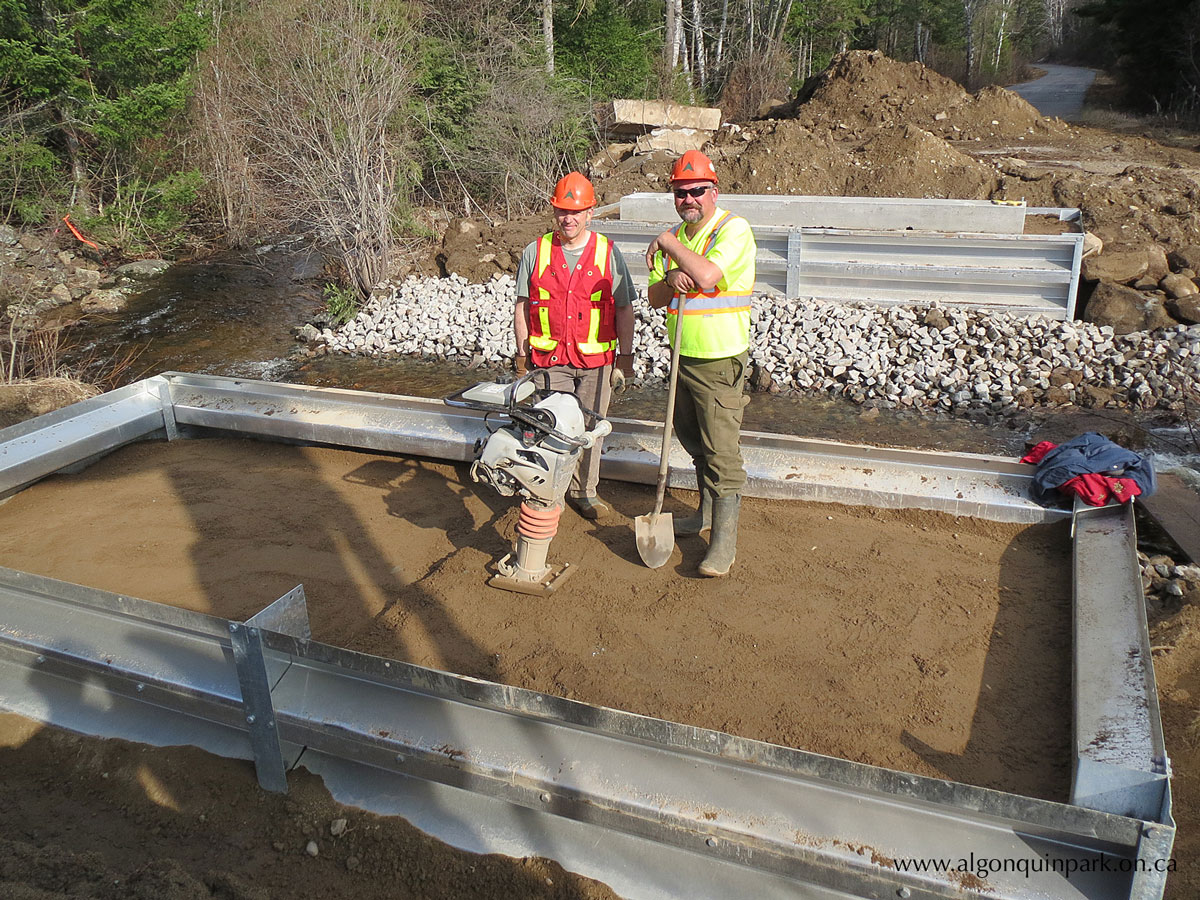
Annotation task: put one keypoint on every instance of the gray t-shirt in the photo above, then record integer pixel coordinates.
(623, 289)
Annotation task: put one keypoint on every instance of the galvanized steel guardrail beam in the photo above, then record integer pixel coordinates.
(1023, 274)
(655, 809)
(877, 213)
(1120, 757)
(778, 466)
(38, 447)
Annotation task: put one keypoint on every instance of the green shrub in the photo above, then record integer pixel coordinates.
(609, 48)
(30, 181)
(341, 303)
(144, 214)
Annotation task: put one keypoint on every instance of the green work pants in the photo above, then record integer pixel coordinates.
(708, 419)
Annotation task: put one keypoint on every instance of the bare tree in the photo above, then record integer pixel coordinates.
(1001, 12)
(313, 97)
(720, 55)
(548, 33)
(1056, 13)
(970, 9)
(698, 50)
(671, 38)
(221, 143)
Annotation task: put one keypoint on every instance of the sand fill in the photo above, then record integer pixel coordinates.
(915, 641)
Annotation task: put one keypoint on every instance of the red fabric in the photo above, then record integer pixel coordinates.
(1096, 490)
(1091, 487)
(1124, 489)
(570, 306)
(1034, 456)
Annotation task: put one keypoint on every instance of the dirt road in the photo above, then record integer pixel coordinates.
(1059, 92)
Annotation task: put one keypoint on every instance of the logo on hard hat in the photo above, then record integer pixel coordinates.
(693, 165)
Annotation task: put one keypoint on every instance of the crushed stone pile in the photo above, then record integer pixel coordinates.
(924, 357)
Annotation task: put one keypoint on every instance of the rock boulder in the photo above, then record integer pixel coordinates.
(1185, 258)
(1125, 309)
(1115, 266)
(1186, 309)
(142, 268)
(1178, 286)
(104, 301)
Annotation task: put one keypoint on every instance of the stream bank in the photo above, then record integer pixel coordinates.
(238, 315)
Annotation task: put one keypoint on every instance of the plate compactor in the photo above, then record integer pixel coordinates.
(535, 439)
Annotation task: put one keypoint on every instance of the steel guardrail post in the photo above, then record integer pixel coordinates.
(257, 705)
(795, 244)
(168, 409)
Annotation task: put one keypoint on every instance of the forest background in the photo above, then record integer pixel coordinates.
(170, 125)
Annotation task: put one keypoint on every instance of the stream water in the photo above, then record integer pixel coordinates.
(234, 315)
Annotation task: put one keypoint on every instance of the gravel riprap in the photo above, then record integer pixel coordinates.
(926, 357)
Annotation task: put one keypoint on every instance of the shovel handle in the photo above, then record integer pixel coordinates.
(672, 383)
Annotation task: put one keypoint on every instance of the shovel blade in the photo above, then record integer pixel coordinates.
(655, 535)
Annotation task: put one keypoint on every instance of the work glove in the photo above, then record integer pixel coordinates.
(622, 372)
(521, 365)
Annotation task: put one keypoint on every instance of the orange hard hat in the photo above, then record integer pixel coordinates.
(694, 166)
(573, 192)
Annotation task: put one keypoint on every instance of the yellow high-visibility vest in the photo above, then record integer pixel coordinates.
(716, 324)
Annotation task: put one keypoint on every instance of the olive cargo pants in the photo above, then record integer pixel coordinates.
(708, 419)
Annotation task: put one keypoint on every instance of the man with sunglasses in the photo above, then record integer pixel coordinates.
(574, 306)
(708, 260)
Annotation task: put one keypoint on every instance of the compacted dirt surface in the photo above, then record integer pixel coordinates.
(910, 640)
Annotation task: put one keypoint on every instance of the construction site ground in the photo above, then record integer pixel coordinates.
(967, 622)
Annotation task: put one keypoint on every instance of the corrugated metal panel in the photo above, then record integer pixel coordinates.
(1019, 273)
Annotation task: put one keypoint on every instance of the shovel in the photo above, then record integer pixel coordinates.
(655, 533)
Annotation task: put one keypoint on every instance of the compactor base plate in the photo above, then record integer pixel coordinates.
(548, 585)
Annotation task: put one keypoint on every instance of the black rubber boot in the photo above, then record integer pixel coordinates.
(701, 520)
(722, 549)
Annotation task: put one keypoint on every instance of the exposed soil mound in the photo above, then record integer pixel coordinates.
(996, 111)
(787, 157)
(862, 90)
(782, 157)
(479, 250)
(914, 163)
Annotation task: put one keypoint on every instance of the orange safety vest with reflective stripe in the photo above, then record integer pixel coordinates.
(716, 323)
(571, 314)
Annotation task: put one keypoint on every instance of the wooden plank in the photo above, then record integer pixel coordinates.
(1176, 508)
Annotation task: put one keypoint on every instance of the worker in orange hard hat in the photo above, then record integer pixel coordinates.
(707, 262)
(574, 312)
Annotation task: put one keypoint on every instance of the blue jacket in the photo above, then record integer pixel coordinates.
(1090, 452)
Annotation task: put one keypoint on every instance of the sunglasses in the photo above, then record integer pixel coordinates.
(680, 193)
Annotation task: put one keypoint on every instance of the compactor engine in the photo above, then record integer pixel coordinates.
(536, 437)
